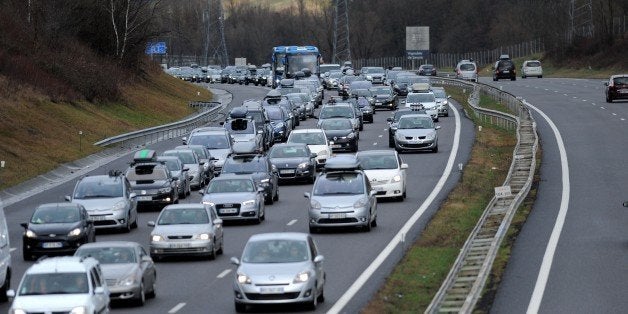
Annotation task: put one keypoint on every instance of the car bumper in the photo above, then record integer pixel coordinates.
(384, 104)
(394, 189)
(123, 292)
(281, 293)
(178, 248)
(342, 145)
(154, 200)
(443, 111)
(294, 173)
(418, 146)
(246, 213)
(345, 217)
(108, 220)
(60, 246)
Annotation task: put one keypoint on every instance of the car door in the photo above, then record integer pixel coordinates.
(147, 266)
(318, 267)
(100, 300)
(217, 228)
(89, 224)
(372, 198)
(132, 201)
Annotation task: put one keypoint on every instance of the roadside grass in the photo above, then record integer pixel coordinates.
(416, 279)
(39, 134)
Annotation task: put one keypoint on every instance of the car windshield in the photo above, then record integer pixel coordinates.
(420, 97)
(467, 67)
(172, 164)
(339, 183)
(505, 65)
(288, 152)
(210, 141)
(146, 173)
(109, 254)
(56, 214)
(379, 161)
(275, 251)
(244, 166)
(186, 157)
(336, 112)
(336, 124)
(317, 138)
(230, 186)
(361, 92)
(99, 189)
(183, 216)
(54, 283)
(416, 123)
(335, 75)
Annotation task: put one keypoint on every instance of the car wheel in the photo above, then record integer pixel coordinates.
(27, 256)
(514, 78)
(127, 226)
(399, 150)
(240, 307)
(276, 197)
(263, 214)
(374, 222)
(155, 258)
(312, 304)
(321, 297)
(435, 150)
(153, 289)
(367, 227)
(355, 147)
(269, 199)
(391, 142)
(5, 287)
(540, 76)
(361, 127)
(523, 76)
(212, 254)
(608, 99)
(133, 225)
(141, 298)
(312, 177)
(494, 79)
(188, 189)
(313, 230)
(221, 249)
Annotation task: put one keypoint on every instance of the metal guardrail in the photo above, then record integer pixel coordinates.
(463, 286)
(166, 131)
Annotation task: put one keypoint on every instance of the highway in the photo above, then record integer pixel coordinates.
(572, 253)
(202, 286)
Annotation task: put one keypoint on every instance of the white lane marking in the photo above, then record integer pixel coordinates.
(594, 104)
(381, 135)
(176, 308)
(292, 222)
(379, 260)
(386, 129)
(565, 94)
(584, 100)
(555, 91)
(550, 250)
(546, 89)
(224, 273)
(575, 97)
(602, 108)
(374, 143)
(614, 113)
(12, 249)
(622, 119)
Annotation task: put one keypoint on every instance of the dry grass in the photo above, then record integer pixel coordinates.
(413, 283)
(39, 134)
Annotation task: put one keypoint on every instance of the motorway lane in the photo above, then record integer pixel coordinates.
(196, 286)
(588, 273)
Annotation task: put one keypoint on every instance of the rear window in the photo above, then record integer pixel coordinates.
(534, 64)
(467, 67)
(620, 80)
(505, 64)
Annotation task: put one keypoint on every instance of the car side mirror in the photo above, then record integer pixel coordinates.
(437, 127)
(319, 258)
(306, 194)
(68, 198)
(10, 293)
(146, 258)
(132, 195)
(389, 119)
(404, 166)
(217, 221)
(235, 261)
(99, 290)
(260, 190)
(24, 224)
(625, 204)
(150, 223)
(184, 140)
(372, 193)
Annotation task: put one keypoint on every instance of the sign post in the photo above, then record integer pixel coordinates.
(417, 43)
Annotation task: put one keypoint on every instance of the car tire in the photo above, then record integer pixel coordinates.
(608, 99)
(494, 79)
(212, 254)
(276, 197)
(321, 297)
(155, 258)
(391, 143)
(127, 226)
(269, 200)
(514, 78)
(311, 305)
(27, 256)
(355, 147)
(240, 307)
(435, 150)
(133, 225)
(540, 76)
(367, 227)
(523, 76)
(221, 249)
(5, 287)
(153, 290)
(141, 298)
(374, 222)
(313, 230)
(361, 127)
(312, 177)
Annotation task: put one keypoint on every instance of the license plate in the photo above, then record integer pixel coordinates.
(51, 245)
(179, 245)
(506, 71)
(623, 91)
(335, 146)
(378, 103)
(378, 188)
(271, 290)
(144, 198)
(98, 218)
(337, 216)
(228, 210)
(286, 171)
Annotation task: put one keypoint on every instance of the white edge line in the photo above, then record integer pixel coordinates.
(550, 250)
(292, 222)
(12, 249)
(176, 308)
(224, 273)
(379, 260)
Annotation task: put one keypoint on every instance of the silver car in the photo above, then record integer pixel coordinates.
(416, 132)
(279, 268)
(217, 141)
(342, 197)
(177, 170)
(236, 197)
(467, 70)
(443, 101)
(186, 229)
(129, 271)
(191, 161)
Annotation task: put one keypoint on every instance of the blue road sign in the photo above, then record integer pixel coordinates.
(158, 48)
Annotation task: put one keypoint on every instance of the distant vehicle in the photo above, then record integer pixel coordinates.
(293, 162)
(280, 121)
(425, 100)
(427, 69)
(393, 121)
(384, 97)
(504, 69)
(61, 285)
(617, 87)
(403, 83)
(467, 70)
(330, 81)
(205, 160)
(442, 99)
(190, 160)
(178, 170)
(279, 268)
(56, 229)
(373, 74)
(236, 197)
(386, 171)
(531, 68)
(186, 230)
(340, 110)
(416, 132)
(329, 67)
(288, 60)
(127, 269)
(316, 140)
(260, 168)
(340, 134)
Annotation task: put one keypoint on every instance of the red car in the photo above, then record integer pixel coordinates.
(617, 87)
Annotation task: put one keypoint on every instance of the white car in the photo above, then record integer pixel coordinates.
(426, 100)
(385, 171)
(316, 140)
(531, 68)
(66, 284)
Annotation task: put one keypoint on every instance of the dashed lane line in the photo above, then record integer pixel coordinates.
(224, 273)
(292, 222)
(176, 308)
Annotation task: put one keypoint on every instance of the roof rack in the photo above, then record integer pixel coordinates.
(342, 164)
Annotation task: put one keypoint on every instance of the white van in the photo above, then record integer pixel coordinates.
(5, 257)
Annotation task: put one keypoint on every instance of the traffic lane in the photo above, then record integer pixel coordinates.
(593, 231)
(22, 210)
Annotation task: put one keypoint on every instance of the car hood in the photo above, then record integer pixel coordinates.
(118, 271)
(288, 162)
(50, 302)
(340, 201)
(232, 197)
(273, 272)
(221, 153)
(381, 174)
(98, 203)
(318, 148)
(415, 132)
(382, 96)
(181, 229)
(53, 228)
(337, 133)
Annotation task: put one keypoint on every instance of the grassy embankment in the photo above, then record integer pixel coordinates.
(416, 279)
(39, 134)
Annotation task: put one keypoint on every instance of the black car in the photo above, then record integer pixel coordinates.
(505, 69)
(259, 167)
(340, 134)
(280, 121)
(616, 87)
(384, 97)
(285, 103)
(151, 180)
(56, 229)
(262, 77)
(427, 69)
(225, 74)
(392, 122)
(367, 110)
(294, 161)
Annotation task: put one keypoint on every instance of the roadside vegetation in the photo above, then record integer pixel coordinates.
(416, 279)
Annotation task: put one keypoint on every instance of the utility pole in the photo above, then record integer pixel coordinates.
(341, 48)
(215, 45)
(580, 19)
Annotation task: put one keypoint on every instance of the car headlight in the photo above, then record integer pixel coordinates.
(248, 203)
(323, 153)
(315, 204)
(368, 77)
(243, 279)
(17, 311)
(396, 178)
(30, 234)
(164, 190)
(351, 135)
(121, 205)
(156, 238)
(209, 203)
(130, 280)
(361, 203)
(76, 310)
(204, 236)
(303, 165)
(74, 233)
(302, 277)
(431, 136)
